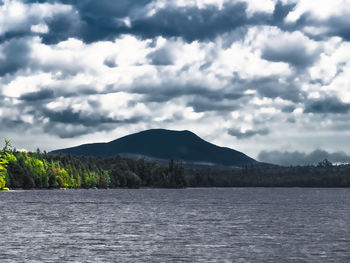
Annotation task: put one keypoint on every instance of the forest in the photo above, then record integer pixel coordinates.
(38, 169)
(29, 170)
(323, 174)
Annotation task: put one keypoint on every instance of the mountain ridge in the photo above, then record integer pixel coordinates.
(164, 144)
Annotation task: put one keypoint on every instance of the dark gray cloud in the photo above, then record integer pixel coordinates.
(288, 109)
(62, 27)
(17, 34)
(69, 116)
(192, 23)
(327, 105)
(68, 123)
(294, 53)
(335, 25)
(95, 104)
(281, 11)
(64, 123)
(55, 91)
(103, 20)
(38, 95)
(166, 91)
(66, 131)
(88, 20)
(110, 62)
(93, 21)
(301, 158)
(13, 123)
(107, 8)
(161, 57)
(339, 26)
(15, 56)
(247, 134)
(200, 97)
(271, 87)
(203, 104)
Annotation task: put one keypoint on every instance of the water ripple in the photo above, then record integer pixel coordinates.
(185, 225)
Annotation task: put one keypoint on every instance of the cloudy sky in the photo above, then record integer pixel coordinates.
(266, 77)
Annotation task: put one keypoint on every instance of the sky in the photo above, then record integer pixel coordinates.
(268, 78)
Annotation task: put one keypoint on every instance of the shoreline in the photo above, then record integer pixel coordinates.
(182, 188)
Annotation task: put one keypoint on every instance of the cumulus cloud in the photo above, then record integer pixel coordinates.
(106, 21)
(37, 96)
(281, 11)
(25, 18)
(92, 22)
(250, 71)
(295, 49)
(69, 123)
(15, 55)
(327, 105)
(192, 23)
(273, 87)
(302, 158)
(161, 57)
(339, 26)
(321, 21)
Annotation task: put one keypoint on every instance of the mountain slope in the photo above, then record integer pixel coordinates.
(164, 144)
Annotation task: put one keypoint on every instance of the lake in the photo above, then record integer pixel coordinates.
(176, 225)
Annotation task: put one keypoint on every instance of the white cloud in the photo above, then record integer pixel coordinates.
(249, 81)
(260, 6)
(17, 16)
(39, 28)
(321, 9)
(332, 70)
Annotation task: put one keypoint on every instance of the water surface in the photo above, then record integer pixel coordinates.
(176, 225)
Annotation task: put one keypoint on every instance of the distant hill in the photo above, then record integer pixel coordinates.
(160, 144)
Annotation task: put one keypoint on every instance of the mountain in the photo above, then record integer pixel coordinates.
(160, 144)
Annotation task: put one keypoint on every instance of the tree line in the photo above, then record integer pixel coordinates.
(42, 170)
(323, 174)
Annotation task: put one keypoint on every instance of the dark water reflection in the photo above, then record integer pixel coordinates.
(185, 225)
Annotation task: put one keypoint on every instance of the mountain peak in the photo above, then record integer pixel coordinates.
(165, 144)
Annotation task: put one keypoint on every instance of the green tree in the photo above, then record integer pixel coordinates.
(105, 179)
(3, 171)
(7, 145)
(37, 170)
(6, 158)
